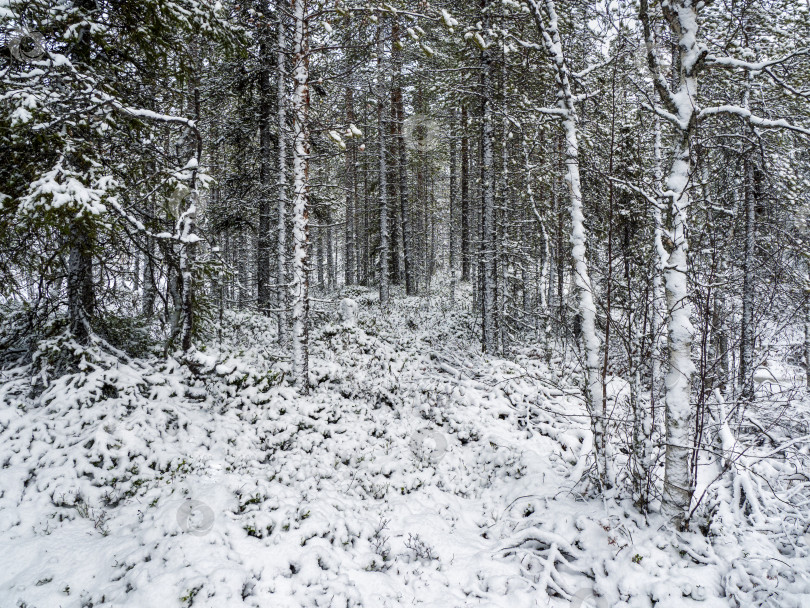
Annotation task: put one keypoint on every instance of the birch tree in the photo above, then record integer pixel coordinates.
(679, 105)
(545, 17)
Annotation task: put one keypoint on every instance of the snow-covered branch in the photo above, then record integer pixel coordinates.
(752, 119)
(730, 62)
(142, 113)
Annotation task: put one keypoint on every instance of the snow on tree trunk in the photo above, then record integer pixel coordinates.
(806, 301)
(299, 286)
(645, 422)
(503, 211)
(678, 484)
(451, 230)
(659, 297)
(188, 239)
(489, 335)
(263, 256)
(383, 187)
(545, 16)
(281, 187)
(746, 380)
(749, 281)
(681, 112)
(404, 207)
(807, 334)
(465, 199)
(348, 253)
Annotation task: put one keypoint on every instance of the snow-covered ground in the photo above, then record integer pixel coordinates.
(416, 473)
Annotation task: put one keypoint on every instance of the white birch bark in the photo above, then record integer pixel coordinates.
(188, 239)
(545, 16)
(661, 256)
(682, 113)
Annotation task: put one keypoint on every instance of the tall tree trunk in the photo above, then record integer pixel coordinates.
(502, 215)
(80, 292)
(263, 246)
(149, 288)
(746, 380)
(465, 198)
(401, 154)
(187, 237)
(404, 207)
(392, 151)
(488, 313)
(382, 179)
(559, 245)
(80, 288)
(545, 17)
(300, 273)
(678, 484)
(281, 187)
(679, 102)
(319, 253)
(365, 268)
(349, 270)
(807, 331)
(451, 232)
(331, 268)
(661, 256)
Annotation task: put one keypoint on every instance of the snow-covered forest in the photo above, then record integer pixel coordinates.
(330, 303)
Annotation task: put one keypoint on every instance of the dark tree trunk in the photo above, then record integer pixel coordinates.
(349, 271)
(465, 199)
(81, 296)
(263, 240)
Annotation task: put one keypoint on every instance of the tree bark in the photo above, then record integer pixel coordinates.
(465, 198)
(80, 292)
(747, 329)
(349, 271)
(281, 187)
(383, 175)
(451, 232)
(263, 241)
(489, 336)
(402, 162)
(679, 103)
(299, 290)
(807, 333)
(545, 16)
(188, 239)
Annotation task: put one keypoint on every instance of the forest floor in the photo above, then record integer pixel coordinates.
(418, 472)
